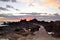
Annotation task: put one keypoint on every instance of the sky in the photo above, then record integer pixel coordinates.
(12, 8)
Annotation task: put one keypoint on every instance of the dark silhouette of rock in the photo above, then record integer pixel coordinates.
(25, 28)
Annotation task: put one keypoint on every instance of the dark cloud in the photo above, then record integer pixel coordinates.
(10, 15)
(8, 6)
(58, 7)
(13, 0)
(35, 15)
(5, 0)
(5, 15)
(17, 9)
(5, 9)
(8, 0)
(40, 17)
(56, 14)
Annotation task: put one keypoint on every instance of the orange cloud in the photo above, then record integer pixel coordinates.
(3, 19)
(27, 18)
(51, 3)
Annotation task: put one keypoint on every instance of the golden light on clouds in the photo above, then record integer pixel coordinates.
(27, 18)
(2, 19)
(51, 3)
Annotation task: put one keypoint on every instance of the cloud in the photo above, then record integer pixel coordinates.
(12, 15)
(2, 18)
(58, 7)
(24, 0)
(56, 14)
(17, 10)
(5, 15)
(8, 6)
(5, 9)
(53, 3)
(37, 16)
(8, 0)
(13, 0)
(33, 4)
(5, 0)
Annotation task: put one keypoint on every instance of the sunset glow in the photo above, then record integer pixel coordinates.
(9, 10)
(53, 3)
